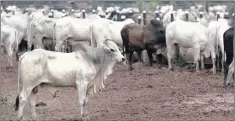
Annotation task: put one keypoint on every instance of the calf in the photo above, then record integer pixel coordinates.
(228, 49)
(83, 68)
(139, 37)
(9, 42)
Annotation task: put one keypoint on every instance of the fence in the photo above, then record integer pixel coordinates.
(89, 5)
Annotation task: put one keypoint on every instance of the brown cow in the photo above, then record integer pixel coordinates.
(139, 37)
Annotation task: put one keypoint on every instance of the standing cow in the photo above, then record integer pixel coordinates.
(83, 68)
(139, 37)
(9, 42)
(228, 49)
(190, 35)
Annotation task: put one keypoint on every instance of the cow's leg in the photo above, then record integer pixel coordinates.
(23, 100)
(130, 60)
(230, 74)
(225, 73)
(169, 57)
(83, 99)
(213, 57)
(150, 55)
(139, 56)
(32, 101)
(222, 61)
(17, 56)
(58, 46)
(9, 58)
(202, 62)
(197, 58)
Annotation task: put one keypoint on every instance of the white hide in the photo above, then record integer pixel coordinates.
(9, 43)
(189, 35)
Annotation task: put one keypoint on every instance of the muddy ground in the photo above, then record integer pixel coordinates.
(144, 94)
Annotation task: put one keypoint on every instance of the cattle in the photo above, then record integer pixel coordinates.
(103, 29)
(84, 68)
(189, 35)
(19, 22)
(73, 30)
(216, 31)
(139, 37)
(9, 43)
(228, 49)
(40, 28)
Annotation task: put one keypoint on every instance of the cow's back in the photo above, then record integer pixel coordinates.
(228, 44)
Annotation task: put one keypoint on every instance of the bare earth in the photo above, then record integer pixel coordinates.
(144, 94)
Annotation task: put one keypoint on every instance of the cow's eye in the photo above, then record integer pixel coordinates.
(112, 50)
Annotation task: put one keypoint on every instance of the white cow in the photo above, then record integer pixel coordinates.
(216, 31)
(40, 28)
(34, 15)
(189, 35)
(73, 30)
(82, 68)
(19, 22)
(9, 42)
(103, 29)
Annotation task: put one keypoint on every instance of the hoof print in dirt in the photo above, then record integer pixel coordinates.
(41, 104)
(149, 86)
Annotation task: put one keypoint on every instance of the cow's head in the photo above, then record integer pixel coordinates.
(157, 32)
(111, 49)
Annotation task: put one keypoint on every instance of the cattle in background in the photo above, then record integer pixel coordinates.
(139, 37)
(103, 29)
(19, 22)
(229, 61)
(40, 28)
(72, 30)
(85, 69)
(190, 35)
(216, 31)
(9, 43)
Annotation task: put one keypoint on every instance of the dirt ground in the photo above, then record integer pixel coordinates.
(144, 94)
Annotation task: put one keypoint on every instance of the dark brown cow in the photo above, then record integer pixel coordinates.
(139, 37)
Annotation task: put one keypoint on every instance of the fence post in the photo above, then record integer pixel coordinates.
(123, 17)
(83, 13)
(233, 16)
(129, 14)
(157, 15)
(201, 15)
(118, 16)
(172, 16)
(93, 11)
(217, 15)
(139, 20)
(144, 18)
(186, 15)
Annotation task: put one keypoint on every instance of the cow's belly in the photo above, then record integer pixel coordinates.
(187, 54)
(66, 71)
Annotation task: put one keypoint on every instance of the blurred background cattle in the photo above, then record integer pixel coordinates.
(58, 25)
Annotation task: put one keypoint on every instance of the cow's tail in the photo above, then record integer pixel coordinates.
(125, 39)
(217, 39)
(18, 90)
(16, 45)
(29, 31)
(54, 32)
(93, 41)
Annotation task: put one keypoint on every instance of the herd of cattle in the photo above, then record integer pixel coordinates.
(75, 48)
